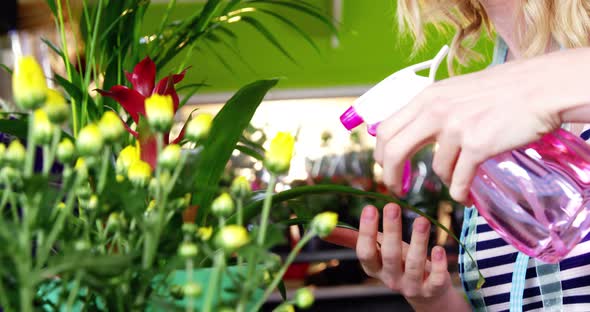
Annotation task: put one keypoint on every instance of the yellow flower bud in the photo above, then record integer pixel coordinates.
(92, 202)
(28, 83)
(198, 128)
(15, 154)
(192, 290)
(170, 156)
(278, 156)
(139, 173)
(232, 237)
(89, 141)
(188, 250)
(205, 232)
(324, 223)
(111, 126)
(159, 111)
(285, 308)
(115, 221)
(81, 245)
(223, 205)
(61, 206)
(128, 155)
(65, 151)
(304, 298)
(240, 187)
(42, 127)
(81, 168)
(56, 107)
(2, 151)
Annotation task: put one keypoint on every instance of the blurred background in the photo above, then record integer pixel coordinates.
(318, 85)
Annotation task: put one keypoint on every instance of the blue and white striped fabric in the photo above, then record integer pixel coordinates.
(513, 281)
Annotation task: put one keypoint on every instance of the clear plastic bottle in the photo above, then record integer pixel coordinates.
(535, 197)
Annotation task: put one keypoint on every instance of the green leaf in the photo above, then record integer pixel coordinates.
(305, 221)
(220, 58)
(226, 130)
(193, 88)
(282, 290)
(268, 35)
(52, 6)
(6, 68)
(293, 26)
(303, 8)
(250, 151)
(77, 94)
(15, 127)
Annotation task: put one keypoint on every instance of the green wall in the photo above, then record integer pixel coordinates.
(370, 49)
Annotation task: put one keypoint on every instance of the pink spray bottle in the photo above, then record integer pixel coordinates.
(536, 197)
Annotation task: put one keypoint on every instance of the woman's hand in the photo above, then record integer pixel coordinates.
(401, 267)
(477, 116)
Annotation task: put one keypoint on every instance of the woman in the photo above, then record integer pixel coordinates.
(543, 84)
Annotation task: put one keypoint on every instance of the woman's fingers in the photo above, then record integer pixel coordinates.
(445, 155)
(439, 275)
(464, 171)
(416, 258)
(391, 249)
(389, 127)
(366, 246)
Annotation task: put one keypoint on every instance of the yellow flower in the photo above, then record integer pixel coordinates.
(81, 168)
(139, 173)
(15, 154)
(89, 141)
(324, 223)
(240, 187)
(204, 233)
(65, 151)
(223, 205)
(232, 237)
(198, 128)
(42, 127)
(170, 156)
(28, 83)
(278, 156)
(127, 156)
(56, 107)
(111, 126)
(159, 111)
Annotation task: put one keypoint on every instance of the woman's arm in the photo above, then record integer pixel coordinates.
(476, 116)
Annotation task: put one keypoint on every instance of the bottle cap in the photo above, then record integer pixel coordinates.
(350, 119)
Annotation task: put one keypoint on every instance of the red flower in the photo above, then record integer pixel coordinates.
(143, 80)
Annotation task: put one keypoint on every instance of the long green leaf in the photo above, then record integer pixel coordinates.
(301, 8)
(268, 35)
(249, 151)
(252, 209)
(293, 26)
(225, 132)
(6, 68)
(220, 58)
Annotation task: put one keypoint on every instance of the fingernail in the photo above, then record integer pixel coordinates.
(438, 253)
(391, 212)
(369, 214)
(421, 226)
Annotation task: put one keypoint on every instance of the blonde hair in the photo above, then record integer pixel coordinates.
(565, 21)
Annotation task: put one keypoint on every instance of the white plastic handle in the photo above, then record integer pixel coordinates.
(432, 64)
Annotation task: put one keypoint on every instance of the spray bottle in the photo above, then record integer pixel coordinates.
(537, 197)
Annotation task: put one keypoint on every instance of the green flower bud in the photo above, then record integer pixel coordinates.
(81, 245)
(128, 155)
(226, 309)
(89, 141)
(139, 173)
(189, 228)
(28, 83)
(273, 262)
(177, 292)
(159, 110)
(81, 168)
(2, 151)
(56, 107)
(304, 298)
(115, 221)
(92, 202)
(111, 126)
(198, 128)
(240, 187)
(84, 191)
(223, 205)
(192, 290)
(42, 127)
(232, 237)
(188, 250)
(278, 157)
(324, 223)
(15, 154)
(169, 157)
(65, 151)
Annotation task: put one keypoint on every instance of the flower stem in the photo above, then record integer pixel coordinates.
(74, 291)
(278, 277)
(213, 287)
(266, 209)
(240, 221)
(189, 271)
(30, 156)
(64, 50)
(102, 177)
(49, 151)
